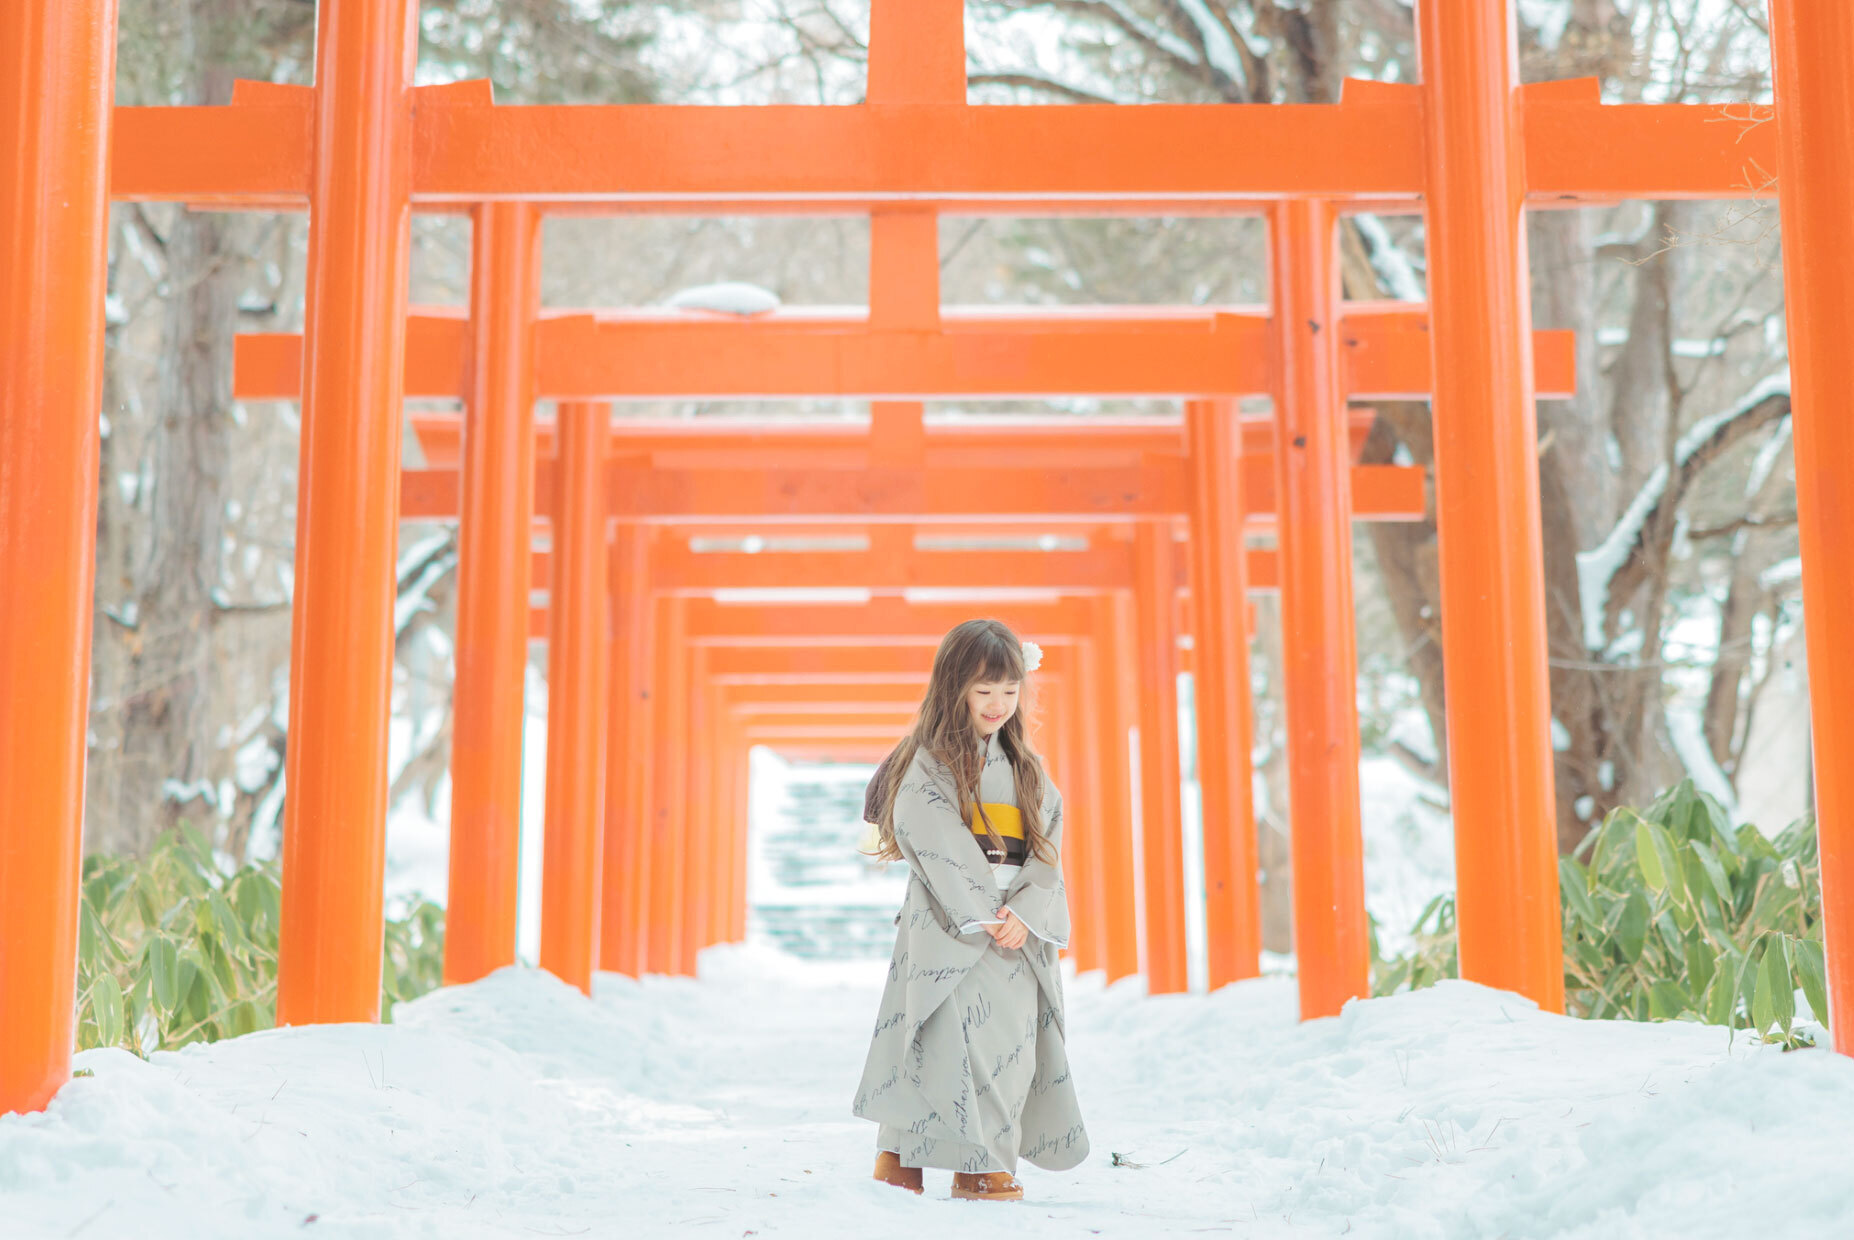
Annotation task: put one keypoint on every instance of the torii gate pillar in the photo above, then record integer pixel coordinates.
(578, 688)
(495, 530)
(1319, 638)
(1813, 44)
(627, 771)
(57, 76)
(347, 514)
(666, 828)
(1219, 589)
(1116, 691)
(1161, 795)
(1494, 651)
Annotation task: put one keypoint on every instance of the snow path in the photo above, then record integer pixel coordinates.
(720, 1108)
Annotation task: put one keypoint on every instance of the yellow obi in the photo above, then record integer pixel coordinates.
(1009, 824)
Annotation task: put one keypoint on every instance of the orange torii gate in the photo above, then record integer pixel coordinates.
(811, 671)
(363, 146)
(873, 704)
(1235, 945)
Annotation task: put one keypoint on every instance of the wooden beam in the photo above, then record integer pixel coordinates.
(1164, 158)
(877, 496)
(974, 356)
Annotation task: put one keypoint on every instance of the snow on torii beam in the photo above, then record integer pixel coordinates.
(1091, 352)
(1153, 159)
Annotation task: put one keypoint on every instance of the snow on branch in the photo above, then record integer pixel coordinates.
(1148, 32)
(1687, 730)
(1396, 272)
(1218, 40)
(420, 569)
(1599, 568)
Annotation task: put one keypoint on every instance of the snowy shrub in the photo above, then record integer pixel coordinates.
(1671, 914)
(1677, 915)
(175, 947)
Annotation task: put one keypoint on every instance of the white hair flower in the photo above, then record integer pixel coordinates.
(1033, 656)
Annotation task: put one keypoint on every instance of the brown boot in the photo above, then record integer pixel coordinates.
(890, 1171)
(987, 1186)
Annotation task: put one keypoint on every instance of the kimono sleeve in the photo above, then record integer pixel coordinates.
(1040, 901)
(941, 850)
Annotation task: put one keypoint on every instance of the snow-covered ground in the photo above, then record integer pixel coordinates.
(720, 1107)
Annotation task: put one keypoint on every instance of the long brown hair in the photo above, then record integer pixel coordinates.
(975, 652)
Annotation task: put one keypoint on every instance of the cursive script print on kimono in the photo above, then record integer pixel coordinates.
(918, 1076)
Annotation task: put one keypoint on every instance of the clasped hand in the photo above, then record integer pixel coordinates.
(1012, 933)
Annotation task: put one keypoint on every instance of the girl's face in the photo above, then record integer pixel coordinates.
(992, 702)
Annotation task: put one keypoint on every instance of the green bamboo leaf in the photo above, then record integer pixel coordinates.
(1763, 1009)
(226, 921)
(1573, 882)
(1782, 988)
(1647, 857)
(106, 1009)
(1667, 853)
(1672, 936)
(1608, 837)
(1701, 964)
(1666, 1001)
(163, 965)
(1686, 915)
(186, 974)
(1752, 845)
(1718, 822)
(1721, 998)
(1632, 929)
(1714, 871)
(1806, 954)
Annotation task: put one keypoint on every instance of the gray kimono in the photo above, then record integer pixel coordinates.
(967, 1070)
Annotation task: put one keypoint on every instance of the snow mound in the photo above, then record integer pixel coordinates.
(672, 1107)
(727, 297)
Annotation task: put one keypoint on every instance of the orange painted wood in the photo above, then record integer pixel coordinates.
(1087, 810)
(1107, 565)
(917, 52)
(1318, 623)
(627, 747)
(1126, 947)
(668, 791)
(1060, 442)
(699, 875)
(973, 354)
(1220, 649)
(1812, 43)
(861, 497)
(650, 652)
(1161, 794)
(1487, 508)
(807, 665)
(1152, 160)
(347, 532)
(57, 74)
(491, 656)
(578, 685)
(884, 620)
(1096, 568)
(738, 804)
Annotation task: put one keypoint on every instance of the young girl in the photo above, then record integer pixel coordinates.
(967, 1070)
